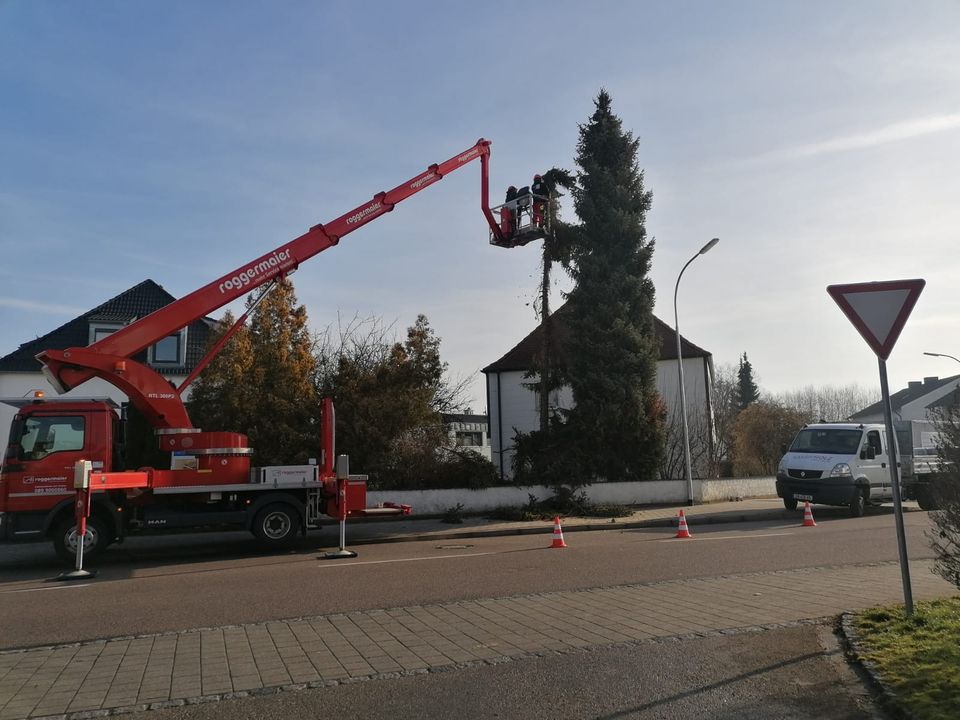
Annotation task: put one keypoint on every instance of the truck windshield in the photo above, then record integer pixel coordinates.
(41, 435)
(829, 441)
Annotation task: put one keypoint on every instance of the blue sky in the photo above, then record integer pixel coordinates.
(177, 140)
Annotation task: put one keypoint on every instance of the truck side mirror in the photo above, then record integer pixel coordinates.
(868, 453)
(783, 449)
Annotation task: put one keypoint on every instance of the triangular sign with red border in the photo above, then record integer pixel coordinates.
(878, 310)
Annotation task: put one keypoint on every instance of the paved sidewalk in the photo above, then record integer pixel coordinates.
(137, 673)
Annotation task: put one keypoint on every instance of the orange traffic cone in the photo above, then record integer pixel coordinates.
(682, 531)
(808, 516)
(557, 534)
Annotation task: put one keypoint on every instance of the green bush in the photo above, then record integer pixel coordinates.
(422, 460)
(565, 501)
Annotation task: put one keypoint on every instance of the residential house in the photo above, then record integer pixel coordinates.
(514, 405)
(469, 431)
(173, 356)
(915, 407)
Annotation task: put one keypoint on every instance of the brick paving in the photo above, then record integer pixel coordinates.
(122, 675)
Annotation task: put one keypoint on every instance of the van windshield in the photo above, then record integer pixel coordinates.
(828, 441)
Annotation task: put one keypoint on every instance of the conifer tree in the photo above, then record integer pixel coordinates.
(616, 423)
(261, 382)
(284, 429)
(747, 390)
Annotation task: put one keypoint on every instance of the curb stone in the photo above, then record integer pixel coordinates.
(855, 652)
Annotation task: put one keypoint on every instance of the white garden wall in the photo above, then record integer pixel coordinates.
(659, 492)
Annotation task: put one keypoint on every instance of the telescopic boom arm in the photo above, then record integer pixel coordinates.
(110, 358)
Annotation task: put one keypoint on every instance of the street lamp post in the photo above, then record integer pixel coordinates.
(942, 355)
(683, 394)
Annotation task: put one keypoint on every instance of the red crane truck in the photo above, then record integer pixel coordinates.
(217, 486)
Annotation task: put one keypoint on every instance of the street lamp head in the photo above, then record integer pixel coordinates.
(709, 246)
(942, 355)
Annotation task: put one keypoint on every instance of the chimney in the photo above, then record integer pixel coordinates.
(914, 385)
(930, 380)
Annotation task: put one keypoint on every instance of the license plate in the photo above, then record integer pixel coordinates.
(798, 496)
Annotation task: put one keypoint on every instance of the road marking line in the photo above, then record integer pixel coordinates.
(731, 537)
(58, 587)
(398, 560)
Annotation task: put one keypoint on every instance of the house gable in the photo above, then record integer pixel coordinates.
(130, 305)
(521, 356)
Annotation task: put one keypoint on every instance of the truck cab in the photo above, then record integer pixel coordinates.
(844, 464)
(47, 438)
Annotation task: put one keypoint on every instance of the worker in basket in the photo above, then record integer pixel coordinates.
(524, 201)
(541, 197)
(508, 213)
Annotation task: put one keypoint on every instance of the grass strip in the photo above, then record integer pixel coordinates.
(918, 657)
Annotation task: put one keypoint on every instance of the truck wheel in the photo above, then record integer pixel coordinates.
(925, 500)
(94, 541)
(858, 503)
(790, 503)
(276, 525)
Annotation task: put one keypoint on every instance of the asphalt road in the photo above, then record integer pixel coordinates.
(178, 585)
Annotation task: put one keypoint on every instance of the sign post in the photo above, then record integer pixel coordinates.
(879, 310)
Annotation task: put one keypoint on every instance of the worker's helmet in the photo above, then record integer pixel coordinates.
(536, 177)
(511, 189)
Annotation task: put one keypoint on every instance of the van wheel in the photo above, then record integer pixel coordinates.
(94, 541)
(858, 503)
(790, 503)
(276, 525)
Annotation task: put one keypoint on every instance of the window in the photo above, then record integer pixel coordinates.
(44, 434)
(167, 351)
(873, 439)
(470, 439)
(98, 331)
(827, 441)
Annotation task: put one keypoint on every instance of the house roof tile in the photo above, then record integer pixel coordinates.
(520, 357)
(908, 395)
(136, 302)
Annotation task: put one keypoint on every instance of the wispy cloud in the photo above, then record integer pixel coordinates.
(40, 307)
(894, 132)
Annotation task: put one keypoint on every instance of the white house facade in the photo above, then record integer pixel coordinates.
(513, 404)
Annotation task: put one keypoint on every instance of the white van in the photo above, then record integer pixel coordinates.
(843, 464)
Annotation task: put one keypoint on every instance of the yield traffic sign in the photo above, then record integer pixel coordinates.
(878, 310)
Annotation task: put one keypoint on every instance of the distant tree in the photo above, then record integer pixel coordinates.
(747, 390)
(829, 402)
(615, 429)
(724, 402)
(759, 434)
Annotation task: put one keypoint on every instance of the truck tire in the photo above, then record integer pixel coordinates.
(790, 503)
(925, 500)
(858, 503)
(65, 538)
(276, 525)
